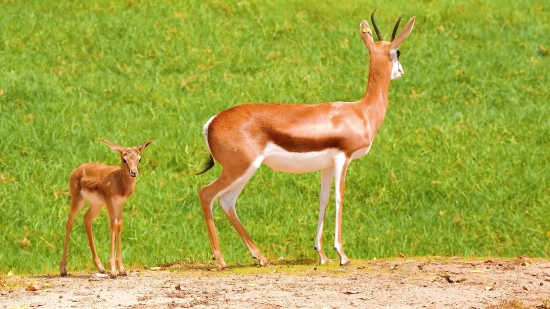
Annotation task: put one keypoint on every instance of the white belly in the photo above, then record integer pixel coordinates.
(96, 199)
(282, 160)
(92, 197)
(360, 152)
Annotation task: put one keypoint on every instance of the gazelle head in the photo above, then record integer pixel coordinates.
(383, 52)
(130, 156)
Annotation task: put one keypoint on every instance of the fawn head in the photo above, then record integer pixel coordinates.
(130, 156)
(384, 52)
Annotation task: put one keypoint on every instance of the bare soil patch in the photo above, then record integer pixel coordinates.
(403, 283)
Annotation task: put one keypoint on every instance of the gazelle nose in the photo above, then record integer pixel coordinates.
(401, 71)
(133, 173)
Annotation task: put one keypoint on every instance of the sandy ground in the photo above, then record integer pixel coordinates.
(402, 283)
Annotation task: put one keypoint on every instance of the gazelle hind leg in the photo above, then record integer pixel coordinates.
(326, 179)
(88, 222)
(77, 203)
(227, 181)
(208, 195)
(340, 168)
(227, 202)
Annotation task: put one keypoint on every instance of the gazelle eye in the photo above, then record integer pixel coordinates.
(124, 160)
(398, 54)
(139, 161)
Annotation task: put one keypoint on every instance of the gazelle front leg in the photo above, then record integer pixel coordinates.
(326, 179)
(115, 222)
(114, 209)
(115, 227)
(340, 167)
(121, 270)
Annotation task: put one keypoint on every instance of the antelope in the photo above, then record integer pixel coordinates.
(299, 138)
(100, 185)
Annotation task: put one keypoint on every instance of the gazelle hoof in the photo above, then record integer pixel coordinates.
(113, 273)
(221, 265)
(324, 261)
(263, 262)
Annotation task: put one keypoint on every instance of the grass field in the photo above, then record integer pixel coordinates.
(459, 167)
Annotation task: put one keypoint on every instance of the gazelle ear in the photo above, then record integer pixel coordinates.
(366, 34)
(114, 146)
(142, 146)
(403, 34)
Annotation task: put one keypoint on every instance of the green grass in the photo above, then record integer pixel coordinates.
(460, 166)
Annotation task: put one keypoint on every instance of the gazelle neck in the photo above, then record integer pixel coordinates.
(127, 181)
(375, 100)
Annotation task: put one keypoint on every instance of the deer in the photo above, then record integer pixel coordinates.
(101, 185)
(299, 138)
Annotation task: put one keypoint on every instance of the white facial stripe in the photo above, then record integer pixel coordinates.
(397, 69)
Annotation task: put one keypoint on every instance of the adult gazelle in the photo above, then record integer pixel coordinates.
(299, 138)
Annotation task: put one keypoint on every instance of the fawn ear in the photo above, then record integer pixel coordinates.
(142, 146)
(403, 34)
(114, 146)
(366, 34)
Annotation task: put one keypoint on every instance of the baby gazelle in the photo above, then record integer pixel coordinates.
(101, 184)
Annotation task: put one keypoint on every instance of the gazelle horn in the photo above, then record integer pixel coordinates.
(375, 27)
(395, 28)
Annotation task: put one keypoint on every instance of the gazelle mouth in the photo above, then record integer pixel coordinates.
(133, 175)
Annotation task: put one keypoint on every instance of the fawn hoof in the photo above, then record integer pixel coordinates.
(221, 262)
(222, 266)
(263, 261)
(63, 268)
(101, 269)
